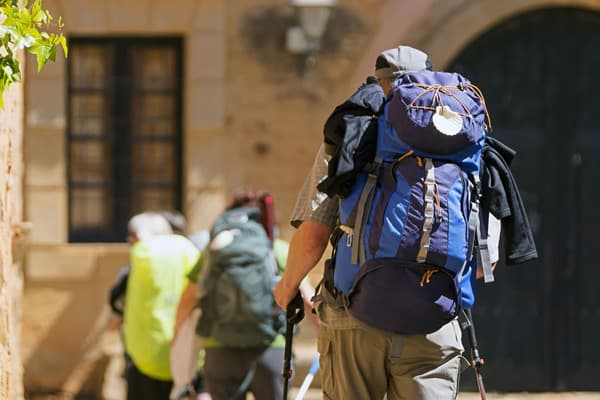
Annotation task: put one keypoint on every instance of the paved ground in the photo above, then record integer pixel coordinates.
(305, 351)
(316, 395)
(533, 396)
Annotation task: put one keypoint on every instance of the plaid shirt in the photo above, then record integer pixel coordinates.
(312, 204)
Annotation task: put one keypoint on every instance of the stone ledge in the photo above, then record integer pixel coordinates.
(74, 262)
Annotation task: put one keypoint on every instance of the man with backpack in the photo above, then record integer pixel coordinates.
(159, 263)
(388, 326)
(240, 324)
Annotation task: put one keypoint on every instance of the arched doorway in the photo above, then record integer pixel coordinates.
(539, 323)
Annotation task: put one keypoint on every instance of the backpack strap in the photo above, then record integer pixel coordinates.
(484, 254)
(473, 228)
(363, 207)
(478, 232)
(245, 385)
(329, 267)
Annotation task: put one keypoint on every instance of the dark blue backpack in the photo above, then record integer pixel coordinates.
(409, 224)
(238, 309)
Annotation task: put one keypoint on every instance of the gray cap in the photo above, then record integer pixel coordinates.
(392, 62)
(148, 224)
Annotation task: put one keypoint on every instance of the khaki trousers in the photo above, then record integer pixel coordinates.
(359, 362)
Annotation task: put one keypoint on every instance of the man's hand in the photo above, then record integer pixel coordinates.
(480, 270)
(114, 322)
(284, 292)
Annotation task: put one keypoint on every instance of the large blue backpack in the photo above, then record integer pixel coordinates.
(405, 259)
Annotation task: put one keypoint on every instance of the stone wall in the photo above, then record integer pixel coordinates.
(12, 238)
(275, 107)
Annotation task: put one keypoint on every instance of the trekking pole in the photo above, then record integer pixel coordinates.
(293, 315)
(185, 393)
(195, 387)
(476, 360)
(314, 367)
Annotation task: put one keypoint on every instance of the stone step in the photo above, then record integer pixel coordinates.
(311, 394)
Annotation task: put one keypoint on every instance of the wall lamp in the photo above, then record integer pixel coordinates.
(305, 39)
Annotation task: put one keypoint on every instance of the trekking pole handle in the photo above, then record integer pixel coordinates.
(294, 312)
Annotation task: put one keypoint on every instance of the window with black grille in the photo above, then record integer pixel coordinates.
(124, 133)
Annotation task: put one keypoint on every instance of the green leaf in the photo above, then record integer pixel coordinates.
(7, 70)
(63, 42)
(3, 86)
(24, 27)
(43, 52)
(37, 13)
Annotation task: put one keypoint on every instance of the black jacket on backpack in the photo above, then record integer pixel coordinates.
(502, 198)
(350, 137)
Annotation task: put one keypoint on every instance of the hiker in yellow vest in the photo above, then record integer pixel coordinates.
(160, 262)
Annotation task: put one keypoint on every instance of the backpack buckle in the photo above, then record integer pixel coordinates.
(349, 234)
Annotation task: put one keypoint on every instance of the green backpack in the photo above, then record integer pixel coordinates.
(238, 308)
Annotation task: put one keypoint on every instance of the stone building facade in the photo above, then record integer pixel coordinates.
(250, 115)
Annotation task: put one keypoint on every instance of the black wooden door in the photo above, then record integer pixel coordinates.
(539, 323)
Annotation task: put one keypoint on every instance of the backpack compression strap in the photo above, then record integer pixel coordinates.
(476, 232)
(429, 199)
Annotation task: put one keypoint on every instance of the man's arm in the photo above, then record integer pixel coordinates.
(187, 303)
(116, 297)
(314, 216)
(306, 249)
(480, 270)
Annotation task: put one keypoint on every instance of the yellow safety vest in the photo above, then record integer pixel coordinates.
(159, 266)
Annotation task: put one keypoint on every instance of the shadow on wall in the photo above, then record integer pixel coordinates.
(64, 326)
(264, 32)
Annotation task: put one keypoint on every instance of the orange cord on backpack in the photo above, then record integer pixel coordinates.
(448, 91)
(427, 276)
(405, 155)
